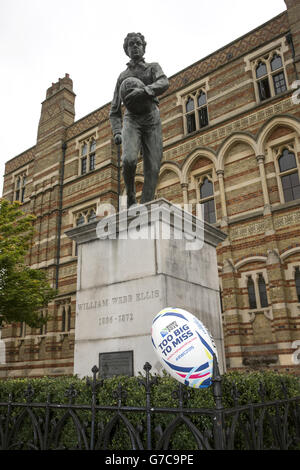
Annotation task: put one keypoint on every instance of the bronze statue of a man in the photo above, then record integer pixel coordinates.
(138, 87)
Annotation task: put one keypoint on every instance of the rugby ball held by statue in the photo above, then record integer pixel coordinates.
(184, 347)
(143, 103)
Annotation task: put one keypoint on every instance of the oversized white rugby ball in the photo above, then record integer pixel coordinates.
(184, 347)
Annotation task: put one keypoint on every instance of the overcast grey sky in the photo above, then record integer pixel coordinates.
(41, 40)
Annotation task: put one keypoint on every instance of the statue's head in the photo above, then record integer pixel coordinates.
(134, 45)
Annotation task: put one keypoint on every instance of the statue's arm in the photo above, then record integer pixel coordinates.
(160, 81)
(115, 114)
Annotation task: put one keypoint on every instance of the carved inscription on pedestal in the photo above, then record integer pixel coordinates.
(118, 313)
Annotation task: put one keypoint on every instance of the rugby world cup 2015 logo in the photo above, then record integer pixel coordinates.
(164, 332)
(168, 329)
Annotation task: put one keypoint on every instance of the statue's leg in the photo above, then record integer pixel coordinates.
(131, 144)
(152, 155)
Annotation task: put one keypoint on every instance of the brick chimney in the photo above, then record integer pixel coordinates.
(58, 109)
(64, 82)
(57, 114)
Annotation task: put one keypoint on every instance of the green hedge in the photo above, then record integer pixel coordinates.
(247, 384)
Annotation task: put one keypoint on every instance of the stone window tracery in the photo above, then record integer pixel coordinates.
(288, 172)
(81, 217)
(269, 75)
(66, 318)
(64, 315)
(206, 199)
(292, 278)
(85, 215)
(20, 187)
(195, 110)
(257, 291)
(87, 155)
(262, 291)
(251, 293)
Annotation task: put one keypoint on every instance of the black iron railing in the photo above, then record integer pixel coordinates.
(256, 426)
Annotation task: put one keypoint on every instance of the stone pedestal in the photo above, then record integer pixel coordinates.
(142, 263)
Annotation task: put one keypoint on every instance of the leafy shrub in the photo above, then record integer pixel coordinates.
(65, 434)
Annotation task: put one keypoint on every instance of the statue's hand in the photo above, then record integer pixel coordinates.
(118, 139)
(135, 93)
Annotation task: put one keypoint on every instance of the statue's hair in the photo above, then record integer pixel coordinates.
(130, 35)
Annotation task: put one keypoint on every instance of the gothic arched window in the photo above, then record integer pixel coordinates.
(69, 318)
(251, 293)
(207, 200)
(270, 77)
(63, 319)
(202, 109)
(196, 115)
(88, 155)
(262, 291)
(276, 62)
(20, 186)
(190, 116)
(289, 175)
(263, 81)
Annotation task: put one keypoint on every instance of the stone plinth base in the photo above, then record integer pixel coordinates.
(143, 263)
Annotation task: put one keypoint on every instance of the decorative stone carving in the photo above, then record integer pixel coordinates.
(273, 257)
(228, 266)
